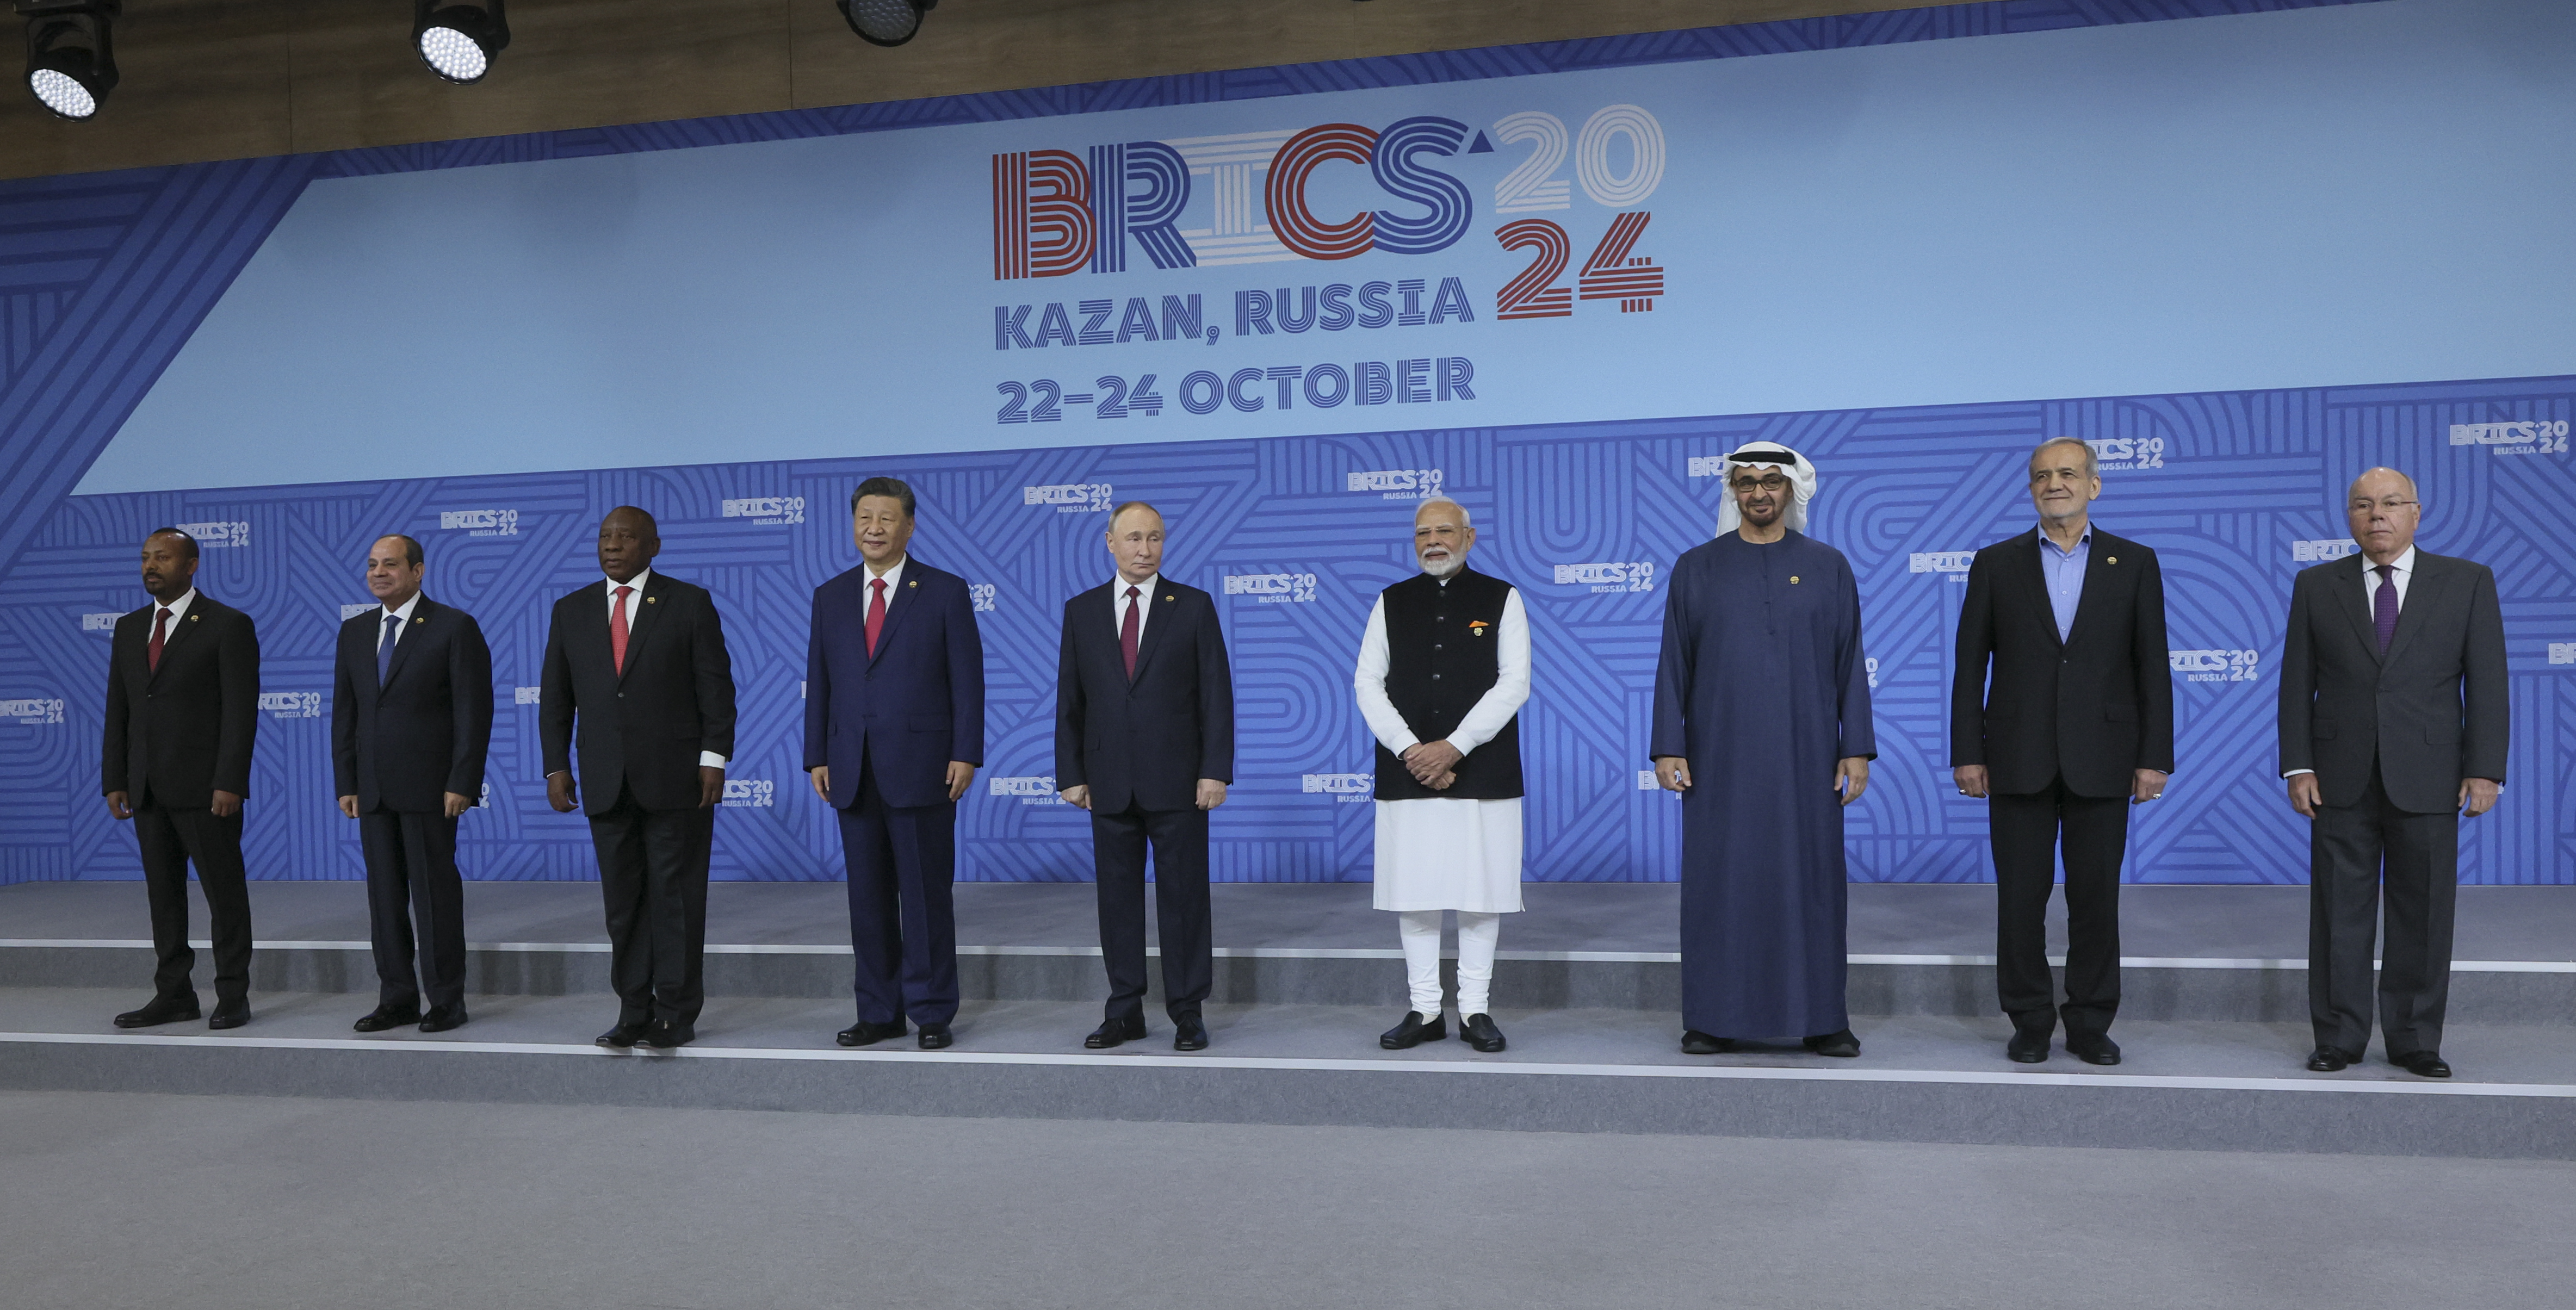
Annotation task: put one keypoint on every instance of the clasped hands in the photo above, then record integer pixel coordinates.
(1434, 764)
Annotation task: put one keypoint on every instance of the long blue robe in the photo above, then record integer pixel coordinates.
(1762, 687)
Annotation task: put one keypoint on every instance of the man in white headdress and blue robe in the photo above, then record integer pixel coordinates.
(1762, 723)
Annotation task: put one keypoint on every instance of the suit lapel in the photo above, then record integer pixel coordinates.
(2024, 561)
(180, 627)
(2421, 590)
(2348, 593)
(2097, 567)
(1158, 617)
(899, 600)
(641, 613)
(412, 635)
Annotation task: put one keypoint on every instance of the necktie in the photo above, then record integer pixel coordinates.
(1127, 634)
(2383, 605)
(617, 629)
(160, 630)
(876, 614)
(385, 648)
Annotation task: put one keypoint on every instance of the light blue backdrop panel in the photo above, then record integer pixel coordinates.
(1295, 535)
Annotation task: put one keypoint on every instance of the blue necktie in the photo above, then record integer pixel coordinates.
(385, 649)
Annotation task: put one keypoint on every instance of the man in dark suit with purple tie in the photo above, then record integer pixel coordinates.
(894, 730)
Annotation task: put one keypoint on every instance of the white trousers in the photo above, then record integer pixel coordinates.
(1477, 934)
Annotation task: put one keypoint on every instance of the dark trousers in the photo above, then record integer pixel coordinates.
(412, 882)
(903, 915)
(2352, 850)
(1180, 844)
(171, 841)
(653, 876)
(2029, 834)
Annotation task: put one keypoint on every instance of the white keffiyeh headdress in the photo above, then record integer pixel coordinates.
(1768, 454)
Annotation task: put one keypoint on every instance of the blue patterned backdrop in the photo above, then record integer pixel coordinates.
(1295, 535)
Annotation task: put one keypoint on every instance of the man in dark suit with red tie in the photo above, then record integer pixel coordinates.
(1144, 739)
(411, 717)
(2394, 722)
(637, 662)
(894, 731)
(182, 708)
(2075, 727)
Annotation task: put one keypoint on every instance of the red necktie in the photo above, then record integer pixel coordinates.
(876, 614)
(1127, 635)
(617, 629)
(160, 629)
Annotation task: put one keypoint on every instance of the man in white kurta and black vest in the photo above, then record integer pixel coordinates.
(1443, 672)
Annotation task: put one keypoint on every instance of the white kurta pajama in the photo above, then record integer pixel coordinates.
(1439, 853)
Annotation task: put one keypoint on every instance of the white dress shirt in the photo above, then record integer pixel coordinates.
(1118, 603)
(1494, 709)
(402, 612)
(706, 759)
(178, 610)
(2402, 572)
(894, 584)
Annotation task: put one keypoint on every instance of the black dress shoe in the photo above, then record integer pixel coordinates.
(387, 1016)
(2029, 1046)
(442, 1017)
(1695, 1042)
(2422, 1064)
(621, 1037)
(864, 1033)
(159, 1012)
(1415, 1030)
(232, 1014)
(936, 1037)
(1189, 1034)
(1840, 1045)
(1478, 1030)
(667, 1035)
(1113, 1031)
(2326, 1059)
(2093, 1048)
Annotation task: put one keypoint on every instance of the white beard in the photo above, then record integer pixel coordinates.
(1445, 569)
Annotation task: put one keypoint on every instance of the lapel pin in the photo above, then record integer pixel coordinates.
(914, 583)
(1168, 599)
(651, 599)
(2113, 560)
(194, 617)
(1793, 579)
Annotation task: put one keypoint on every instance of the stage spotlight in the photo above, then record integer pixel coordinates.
(459, 42)
(71, 62)
(885, 22)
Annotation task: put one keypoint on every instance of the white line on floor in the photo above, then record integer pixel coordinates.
(1755, 1072)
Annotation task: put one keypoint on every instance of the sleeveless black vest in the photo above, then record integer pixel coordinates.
(1443, 655)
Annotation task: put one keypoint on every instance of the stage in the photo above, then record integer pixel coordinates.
(2213, 1022)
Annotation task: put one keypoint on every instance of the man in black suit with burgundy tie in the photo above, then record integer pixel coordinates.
(411, 718)
(2075, 727)
(182, 709)
(637, 662)
(2393, 724)
(1144, 740)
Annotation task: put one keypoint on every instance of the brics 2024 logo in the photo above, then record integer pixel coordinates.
(32, 712)
(1272, 588)
(750, 793)
(480, 522)
(2322, 550)
(1953, 563)
(1039, 790)
(219, 535)
(2113, 454)
(291, 704)
(2537, 437)
(1636, 576)
(1070, 497)
(767, 511)
(1342, 787)
(2215, 665)
(1396, 484)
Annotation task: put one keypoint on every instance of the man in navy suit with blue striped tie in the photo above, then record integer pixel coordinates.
(894, 730)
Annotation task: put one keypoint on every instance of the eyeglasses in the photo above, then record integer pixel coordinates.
(2390, 504)
(1774, 484)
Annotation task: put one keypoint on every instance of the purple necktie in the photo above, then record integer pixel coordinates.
(2383, 605)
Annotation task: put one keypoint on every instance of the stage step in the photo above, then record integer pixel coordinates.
(2212, 1086)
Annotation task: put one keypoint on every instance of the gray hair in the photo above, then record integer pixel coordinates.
(2092, 462)
(2411, 491)
(1465, 519)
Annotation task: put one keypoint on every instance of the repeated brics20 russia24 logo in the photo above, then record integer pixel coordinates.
(1028, 790)
(1070, 497)
(1635, 575)
(480, 522)
(1272, 588)
(291, 704)
(2530, 437)
(766, 511)
(1343, 787)
(32, 711)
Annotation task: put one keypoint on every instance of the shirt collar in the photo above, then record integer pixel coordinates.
(403, 611)
(2081, 541)
(1118, 586)
(893, 576)
(178, 607)
(637, 582)
(2404, 563)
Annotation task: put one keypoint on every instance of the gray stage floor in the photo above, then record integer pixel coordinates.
(2179, 922)
(276, 1203)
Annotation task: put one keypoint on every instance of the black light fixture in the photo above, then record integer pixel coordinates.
(71, 62)
(459, 41)
(885, 22)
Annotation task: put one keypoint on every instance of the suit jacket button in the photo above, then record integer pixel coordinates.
(1435, 677)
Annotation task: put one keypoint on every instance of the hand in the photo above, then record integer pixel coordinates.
(1211, 793)
(821, 776)
(1673, 772)
(457, 803)
(349, 806)
(1851, 777)
(1079, 796)
(226, 804)
(1441, 783)
(710, 786)
(1429, 759)
(1971, 779)
(559, 792)
(960, 773)
(2304, 796)
(2478, 795)
(2148, 785)
(120, 806)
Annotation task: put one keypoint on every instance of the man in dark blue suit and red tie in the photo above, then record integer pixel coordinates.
(894, 730)
(1144, 739)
